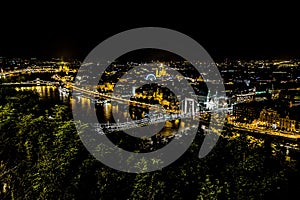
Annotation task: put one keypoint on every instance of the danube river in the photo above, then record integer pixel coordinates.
(52, 95)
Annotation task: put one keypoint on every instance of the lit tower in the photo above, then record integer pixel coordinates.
(160, 71)
(157, 73)
(208, 95)
(133, 90)
(163, 71)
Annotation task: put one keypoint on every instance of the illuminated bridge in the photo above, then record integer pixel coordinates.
(188, 105)
(155, 119)
(210, 106)
(36, 82)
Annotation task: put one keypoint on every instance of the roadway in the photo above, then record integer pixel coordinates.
(249, 128)
(98, 94)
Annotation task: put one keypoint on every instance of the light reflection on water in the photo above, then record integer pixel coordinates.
(104, 111)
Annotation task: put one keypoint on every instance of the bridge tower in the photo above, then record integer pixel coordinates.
(188, 106)
(208, 96)
(133, 90)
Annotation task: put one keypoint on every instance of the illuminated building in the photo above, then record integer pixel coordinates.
(243, 110)
(160, 71)
(270, 118)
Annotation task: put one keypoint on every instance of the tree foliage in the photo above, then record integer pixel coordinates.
(42, 157)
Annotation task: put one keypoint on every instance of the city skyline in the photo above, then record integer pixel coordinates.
(261, 120)
(57, 110)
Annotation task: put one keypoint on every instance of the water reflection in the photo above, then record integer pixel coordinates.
(103, 110)
(45, 92)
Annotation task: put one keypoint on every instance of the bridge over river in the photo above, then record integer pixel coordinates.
(36, 82)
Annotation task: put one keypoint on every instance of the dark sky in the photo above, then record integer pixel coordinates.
(52, 30)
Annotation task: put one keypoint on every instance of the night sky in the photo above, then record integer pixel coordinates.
(51, 30)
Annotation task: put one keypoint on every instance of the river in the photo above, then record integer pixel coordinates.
(51, 95)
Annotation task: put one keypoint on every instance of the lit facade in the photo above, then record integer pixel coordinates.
(270, 118)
